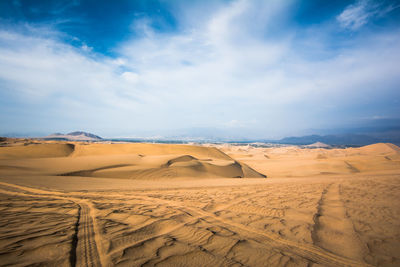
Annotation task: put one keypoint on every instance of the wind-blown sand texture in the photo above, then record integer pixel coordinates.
(86, 204)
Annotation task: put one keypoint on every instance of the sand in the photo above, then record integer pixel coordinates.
(84, 204)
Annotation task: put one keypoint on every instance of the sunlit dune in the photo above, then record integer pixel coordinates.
(137, 161)
(98, 204)
(294, 161)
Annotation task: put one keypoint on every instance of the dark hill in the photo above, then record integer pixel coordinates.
(77, 133)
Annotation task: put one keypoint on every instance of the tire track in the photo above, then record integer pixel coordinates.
(87, 249)
(311, 252)
(239, 200)
(333, 230)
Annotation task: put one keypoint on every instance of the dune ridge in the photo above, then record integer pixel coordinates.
(131, 161)
(148, 149)
(45, 150)
(180, 166)
(293, 161)
(179, 205)
(380, 148)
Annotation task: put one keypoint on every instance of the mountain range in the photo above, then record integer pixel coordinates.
(342, 139)
(74, 136)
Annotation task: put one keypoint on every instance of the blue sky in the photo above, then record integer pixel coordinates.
(240, 69)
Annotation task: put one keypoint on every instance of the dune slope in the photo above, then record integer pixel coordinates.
(297, 162)
(66, 205)
(132, 161)
(45, 150)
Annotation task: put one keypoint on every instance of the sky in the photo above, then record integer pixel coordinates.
(230, 69)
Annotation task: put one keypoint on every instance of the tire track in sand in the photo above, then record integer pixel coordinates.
(333, 230)
(314, 253)
(311, 252)
(86, 250)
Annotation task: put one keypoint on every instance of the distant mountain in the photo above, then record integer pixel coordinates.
(344, 139)
(80, 133)
(74, 136)
(318, 145)
(385, 130)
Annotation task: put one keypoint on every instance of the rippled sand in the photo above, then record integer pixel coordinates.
(325, 207)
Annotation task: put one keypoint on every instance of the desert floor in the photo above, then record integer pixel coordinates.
(85, 204)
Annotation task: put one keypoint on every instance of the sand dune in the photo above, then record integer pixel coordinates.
(148, 150)
(296, 162)
(73, 205)
(46, 150)
(135, 161)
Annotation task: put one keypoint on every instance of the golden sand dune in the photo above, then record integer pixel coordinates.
(50, 216)
(379, 149)
(167, 166)
(148, 150)
(138, 161)
(297, 162)
(36, 151)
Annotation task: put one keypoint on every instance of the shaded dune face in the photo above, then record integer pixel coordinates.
(130, 161)
(181, 166)
(185, 158)
(148, 150)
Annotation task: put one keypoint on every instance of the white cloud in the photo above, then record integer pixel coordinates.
(357, 15)
(36, 69)
(228, 66)
(86, 48)
(130, 77)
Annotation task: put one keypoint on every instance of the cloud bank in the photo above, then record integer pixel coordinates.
(245, 68)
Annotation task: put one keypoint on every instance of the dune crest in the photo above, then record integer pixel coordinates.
(153, 167)
(294, 161)
(66, 204)
(380, 148)
(147, 149)
(128, 161)
(46, 150)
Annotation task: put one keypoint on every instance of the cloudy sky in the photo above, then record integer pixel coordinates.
(255, 69)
